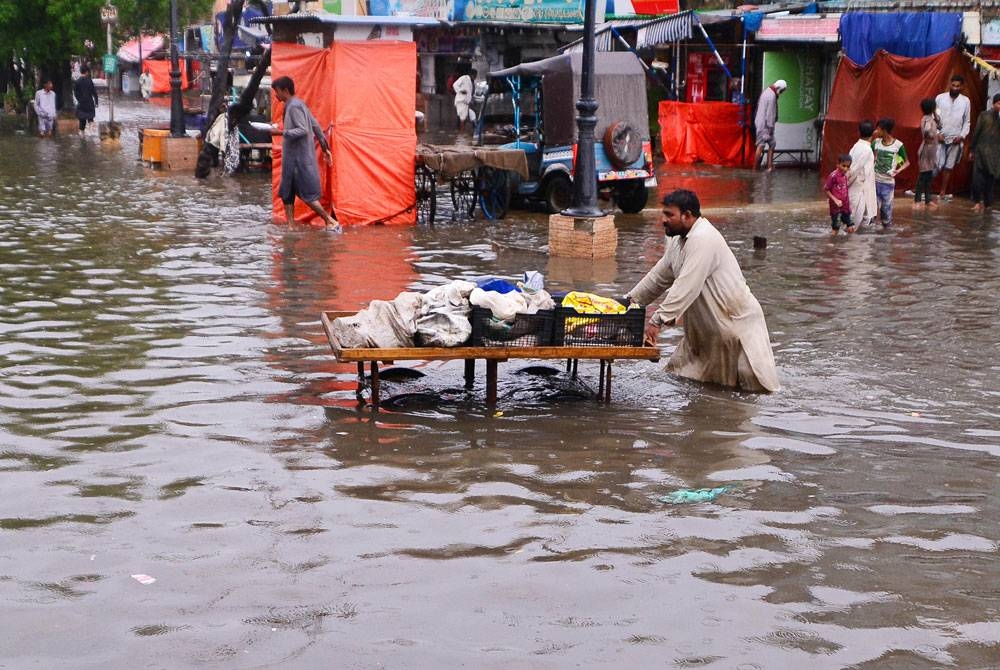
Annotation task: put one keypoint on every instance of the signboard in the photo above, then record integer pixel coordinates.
(109, 14)
(799, 29)
(798, 107)
(110, 64)
(502, 11)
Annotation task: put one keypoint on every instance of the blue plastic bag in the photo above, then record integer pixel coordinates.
(684, 496)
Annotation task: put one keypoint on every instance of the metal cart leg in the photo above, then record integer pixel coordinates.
(576, 364)
(375, 385)
(491, 382)
(470, 372)
(607, 384)
(600, 383)
(569, 365)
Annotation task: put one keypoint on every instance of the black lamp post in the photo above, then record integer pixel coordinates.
(176, 101)
(585, 179)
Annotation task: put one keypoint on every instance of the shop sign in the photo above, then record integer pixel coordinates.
(501, 11)
(110, 64)
(798, 107)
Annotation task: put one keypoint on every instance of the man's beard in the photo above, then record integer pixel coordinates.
(954, 94)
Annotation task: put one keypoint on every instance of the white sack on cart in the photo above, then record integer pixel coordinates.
(382, 325)
(444, 315)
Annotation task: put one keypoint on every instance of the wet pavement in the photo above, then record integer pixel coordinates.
(169, 407)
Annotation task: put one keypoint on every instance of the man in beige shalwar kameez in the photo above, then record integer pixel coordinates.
(725, 336)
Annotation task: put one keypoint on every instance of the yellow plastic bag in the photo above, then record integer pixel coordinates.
(588, 303)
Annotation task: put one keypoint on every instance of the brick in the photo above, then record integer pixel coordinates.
(582, 237)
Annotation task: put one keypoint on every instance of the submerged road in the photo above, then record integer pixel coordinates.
(169, 409)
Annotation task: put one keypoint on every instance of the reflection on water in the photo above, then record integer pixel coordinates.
(169, 407)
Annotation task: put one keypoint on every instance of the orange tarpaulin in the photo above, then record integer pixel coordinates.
(893, 86)
(708, 132)
(160, 71)
(364, 94)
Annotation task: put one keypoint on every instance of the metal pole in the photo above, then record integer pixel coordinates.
(110, 79)
(585, 179)
(176, 102)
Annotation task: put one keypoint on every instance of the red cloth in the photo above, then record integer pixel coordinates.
(160, 71)
(894, 86)
(365, 94)
(708, 132)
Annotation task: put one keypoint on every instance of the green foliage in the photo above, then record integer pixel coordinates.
(48, 32)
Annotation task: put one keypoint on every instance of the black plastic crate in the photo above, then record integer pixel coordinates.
(526, 330)
(573, 329)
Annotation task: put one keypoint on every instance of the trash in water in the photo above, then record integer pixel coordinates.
(145, 580)
(682, 496)
(497, 414)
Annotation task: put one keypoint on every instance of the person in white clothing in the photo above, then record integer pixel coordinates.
(45, 109)
(464, 87)
(725, 336)
(764, 122)
(955, 110)
(861, 178)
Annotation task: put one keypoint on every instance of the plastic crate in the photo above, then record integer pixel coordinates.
(573, 329)
(526, 330)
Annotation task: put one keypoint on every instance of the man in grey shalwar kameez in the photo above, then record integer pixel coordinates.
(299, 170)
(725, 336)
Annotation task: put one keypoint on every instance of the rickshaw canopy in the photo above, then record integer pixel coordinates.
(619, 87)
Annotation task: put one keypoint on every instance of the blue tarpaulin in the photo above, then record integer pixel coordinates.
(914, 34)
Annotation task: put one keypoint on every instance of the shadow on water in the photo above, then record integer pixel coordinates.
(169, 407)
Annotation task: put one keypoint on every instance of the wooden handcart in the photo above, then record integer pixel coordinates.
(492, 355)
(481, 175)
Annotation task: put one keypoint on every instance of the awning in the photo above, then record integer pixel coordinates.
(129, 52)
(649, 32)
(800, 28)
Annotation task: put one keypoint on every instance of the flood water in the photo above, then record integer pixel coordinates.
(169, 407)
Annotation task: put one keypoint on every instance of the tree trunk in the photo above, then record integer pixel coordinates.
(234, 11)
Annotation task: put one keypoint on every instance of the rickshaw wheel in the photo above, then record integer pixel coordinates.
(494, 192)
(463, 194)
(558, 192)
(631, 196)
(426, 186)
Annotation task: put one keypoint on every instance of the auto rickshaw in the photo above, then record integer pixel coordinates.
(544, 95)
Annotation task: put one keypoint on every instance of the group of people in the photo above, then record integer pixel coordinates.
(85, 94)
(861, 189)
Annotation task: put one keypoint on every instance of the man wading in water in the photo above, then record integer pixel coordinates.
(299, 169)
(725, 336)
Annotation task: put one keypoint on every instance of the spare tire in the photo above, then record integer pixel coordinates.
(622, 144)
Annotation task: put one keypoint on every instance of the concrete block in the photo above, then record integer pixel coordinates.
(180, 153)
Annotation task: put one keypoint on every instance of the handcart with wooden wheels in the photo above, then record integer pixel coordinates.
(476, 175)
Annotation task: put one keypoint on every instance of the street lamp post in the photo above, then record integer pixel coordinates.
(585, 177)
(176, 101)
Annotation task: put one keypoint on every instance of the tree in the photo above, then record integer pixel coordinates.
(46, 33)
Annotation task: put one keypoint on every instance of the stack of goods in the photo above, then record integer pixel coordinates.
(512, 315)
(608, 323)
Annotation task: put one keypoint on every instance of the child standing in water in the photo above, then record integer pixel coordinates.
(930, 131)
(890, 160)
(836, 189)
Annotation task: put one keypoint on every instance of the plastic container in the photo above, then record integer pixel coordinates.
(526, 330)
(152, 144)
(573, 329)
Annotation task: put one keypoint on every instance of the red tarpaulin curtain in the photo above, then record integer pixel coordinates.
(160, 71)
(708, 132)
(893, 86)
(365, 93)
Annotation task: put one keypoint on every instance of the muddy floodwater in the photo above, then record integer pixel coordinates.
(170, 410)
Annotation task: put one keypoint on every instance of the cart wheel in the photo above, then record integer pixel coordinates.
(494, 192)
(558, 192)
(463, 194)
(631, 196)
(426, 186)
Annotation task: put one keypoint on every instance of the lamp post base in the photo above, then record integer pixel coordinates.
(582, 237)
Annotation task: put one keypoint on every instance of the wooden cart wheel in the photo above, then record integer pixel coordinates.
(426, 187)
(494, 192)
(463, 194)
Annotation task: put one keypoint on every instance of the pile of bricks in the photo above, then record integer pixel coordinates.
(582, 238)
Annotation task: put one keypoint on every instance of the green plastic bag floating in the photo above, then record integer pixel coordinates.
(683, 496)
